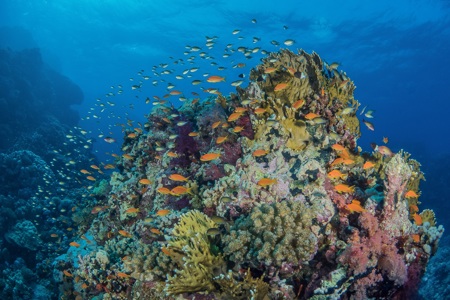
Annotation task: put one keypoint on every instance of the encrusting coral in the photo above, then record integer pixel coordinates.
(262, 194)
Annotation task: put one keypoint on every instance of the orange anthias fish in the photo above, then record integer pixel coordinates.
(132, 210)
(74, 244)
(155, 231)
(215, 79)
(179, 190)
(145, 181)
(343, 188)
(216, 124)
(163, 212)
(166, 251)
(172, 154)
(355, 206)
(238, 129)
(163, 190)
(221, 139)
(127, 156)
(336, 174)
(67, 273)
(234, 116)
(281, 86)
(259, 152)
(338, 147)
(260, 110)
(91, 178)
(417, 219)
(413, 208)
(311, 116)
(348, 161)
(411, 194)
(240, 109)
(266, 182)
(416, 238)
(291, 71)
(178, 177)
(344, 154)
(83, 171)
(98, 209)
(125, 233)
(209, 156)
(192, 134)
(368, 165)
(122, 275)
(337, 161)
(298, 104)
(269, 70)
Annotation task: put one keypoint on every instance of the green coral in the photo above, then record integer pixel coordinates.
(191, 250)
(102, 188)
(273, 234)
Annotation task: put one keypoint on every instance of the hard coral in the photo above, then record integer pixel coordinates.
(273, 234)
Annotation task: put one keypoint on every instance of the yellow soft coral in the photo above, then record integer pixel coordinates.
(190, 249)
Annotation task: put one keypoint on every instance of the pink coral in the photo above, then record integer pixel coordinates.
(369, 222)
(338, 199)
(213, 172)
(232, 152)
(393, 265)
(363, 284)
(356, 255)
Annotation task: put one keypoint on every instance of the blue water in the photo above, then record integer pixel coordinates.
(397, 53)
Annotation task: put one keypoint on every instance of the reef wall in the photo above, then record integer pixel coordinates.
(30, 93)
(40, 182)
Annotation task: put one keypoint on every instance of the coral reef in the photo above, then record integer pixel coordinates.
(24, 235)
(42, 154)
(261, 194)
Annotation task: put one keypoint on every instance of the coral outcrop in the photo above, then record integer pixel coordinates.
(261, 194)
